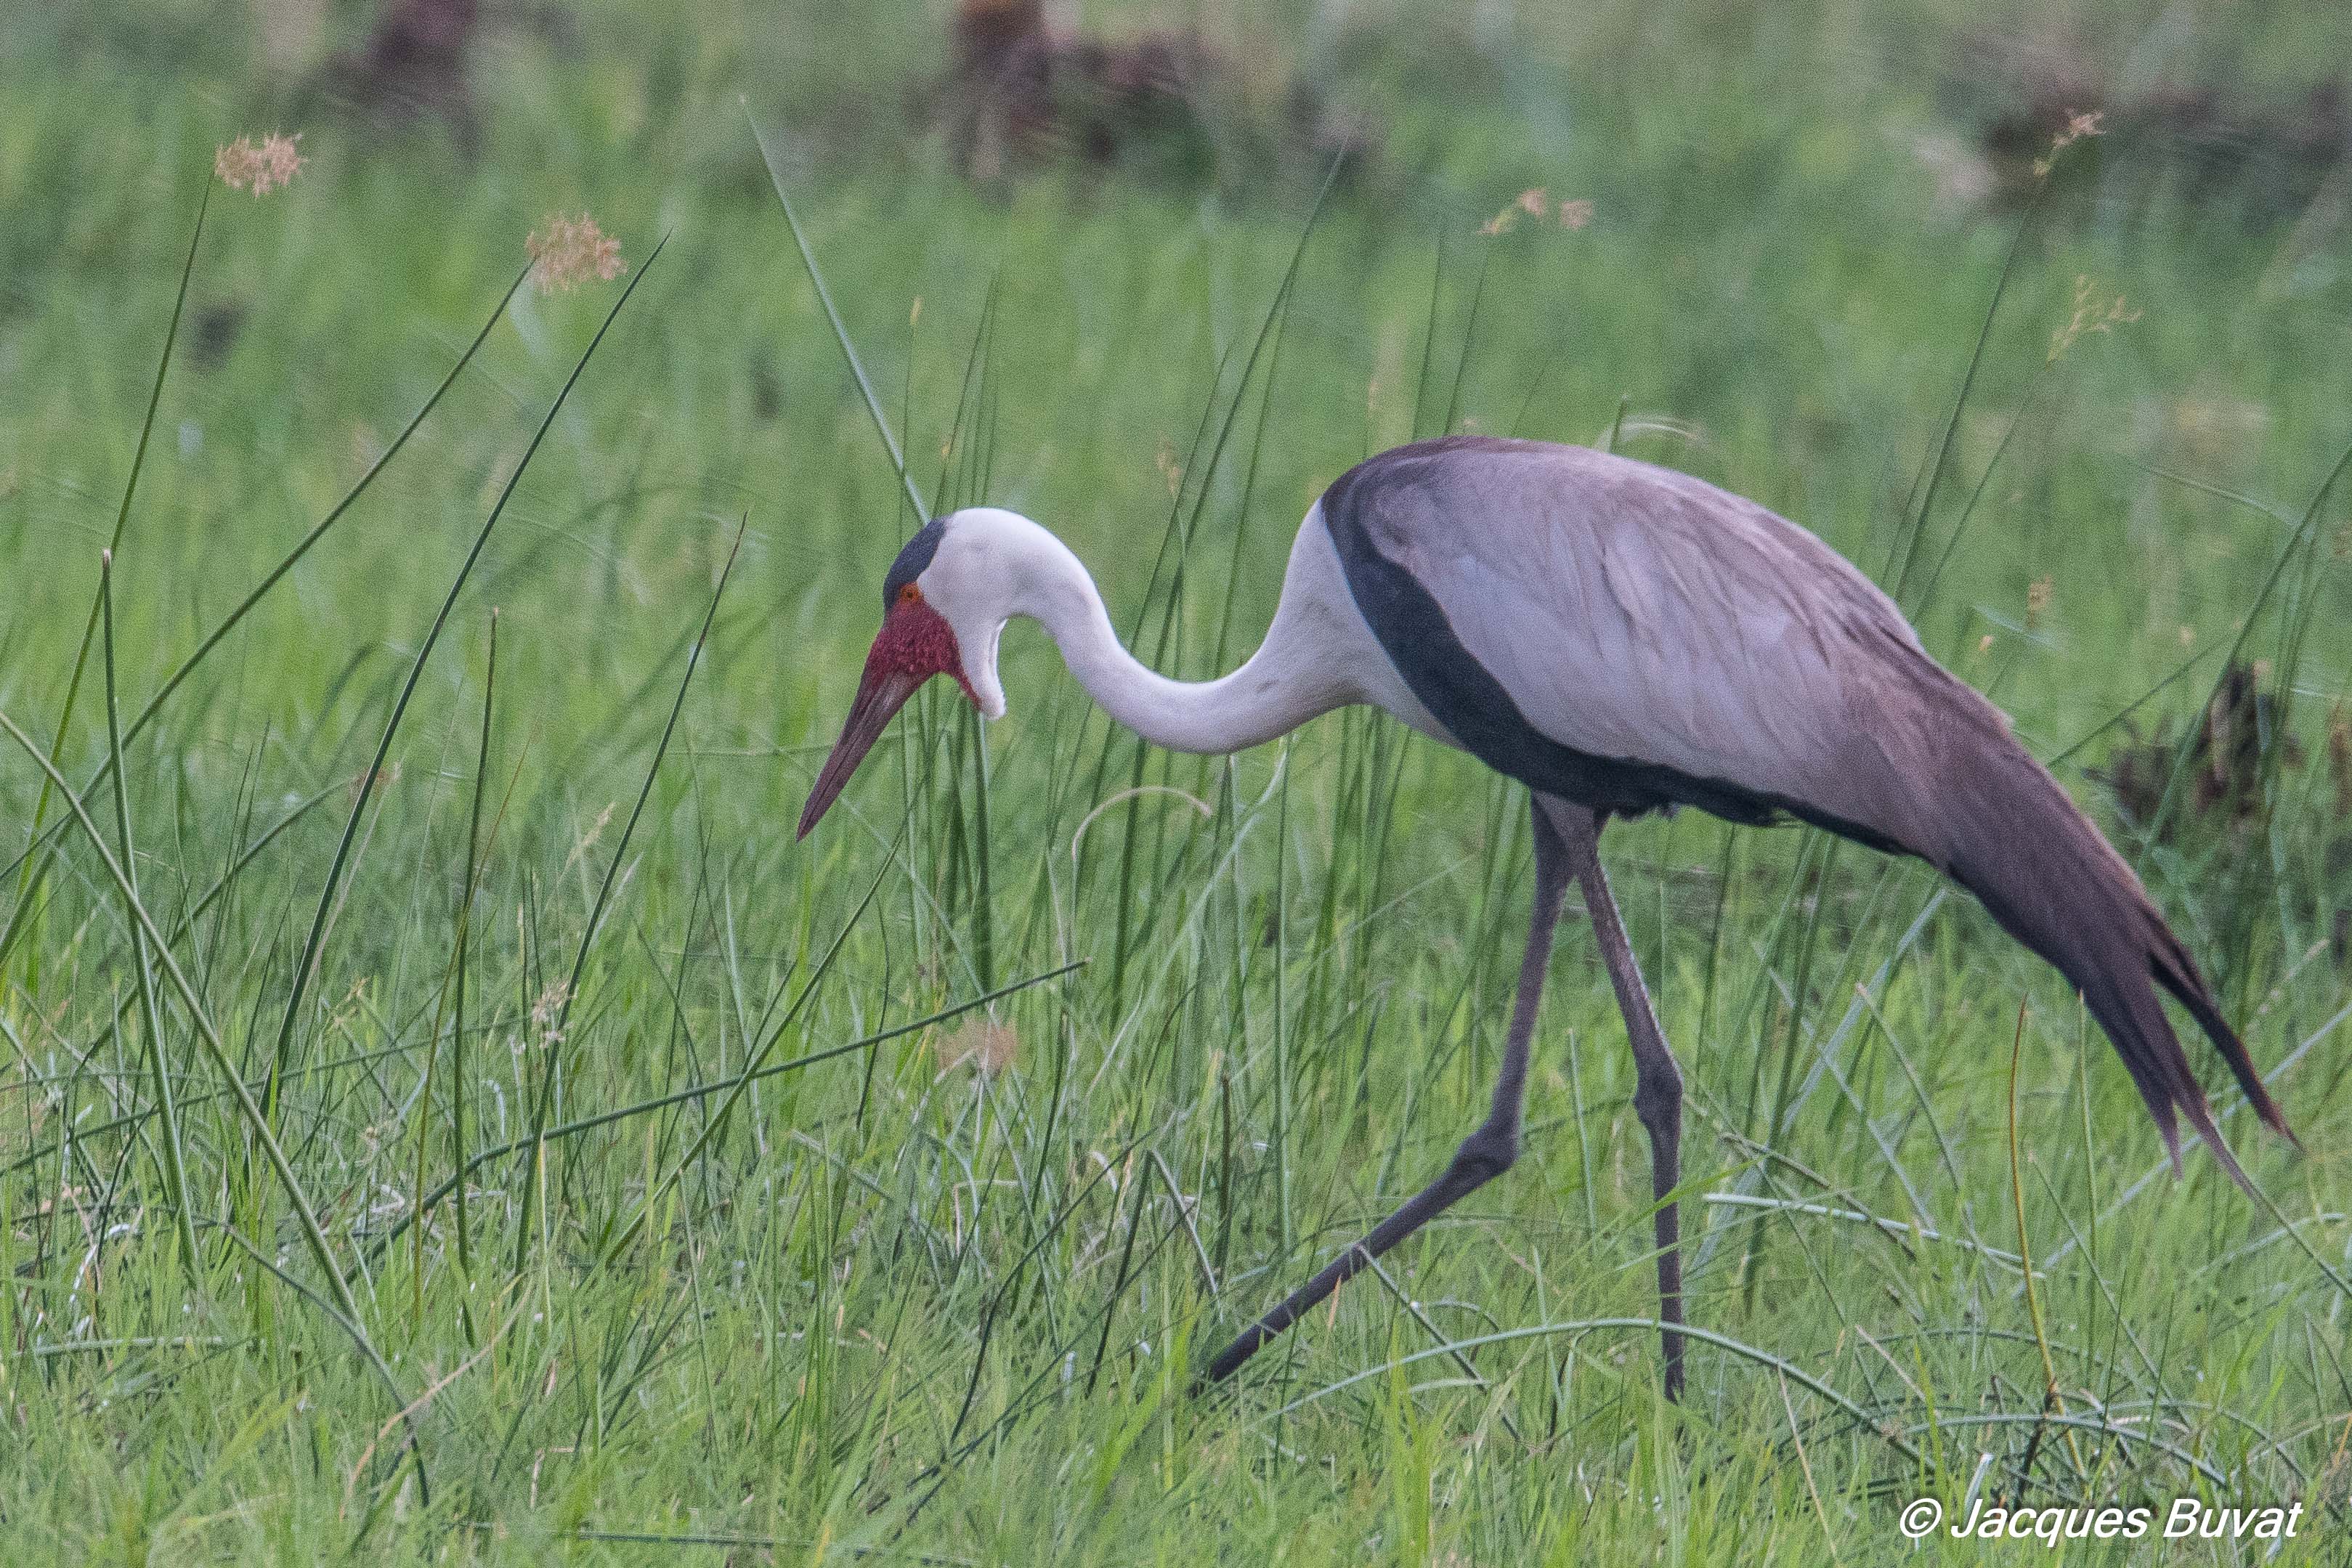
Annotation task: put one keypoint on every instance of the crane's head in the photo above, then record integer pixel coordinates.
(944, 604)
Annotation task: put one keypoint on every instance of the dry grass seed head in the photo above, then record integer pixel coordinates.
(2078, 126)
(989, 1047)
(568, 252)
(2094, 312)
(547, 1011)
(1537, 205)
(243, 165)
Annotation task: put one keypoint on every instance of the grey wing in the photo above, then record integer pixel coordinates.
(1640, 616)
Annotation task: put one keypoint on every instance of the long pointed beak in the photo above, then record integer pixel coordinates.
(880, 696)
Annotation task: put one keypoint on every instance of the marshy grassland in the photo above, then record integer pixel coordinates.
(446, 1117)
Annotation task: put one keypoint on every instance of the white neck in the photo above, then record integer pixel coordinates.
(1289, 680)
(1256, 703)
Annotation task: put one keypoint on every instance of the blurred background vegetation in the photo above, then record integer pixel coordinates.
(2040, 312)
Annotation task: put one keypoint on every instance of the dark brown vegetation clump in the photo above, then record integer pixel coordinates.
(2222, 782)
(2269, 154)
(1024, 93)
(1020, 95)
(416, 66)
(414, 63)
(2216, 786)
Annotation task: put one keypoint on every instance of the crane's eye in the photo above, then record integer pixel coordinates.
(909, 594)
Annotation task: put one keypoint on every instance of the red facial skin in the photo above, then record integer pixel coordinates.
(915, 643)
(916, 640)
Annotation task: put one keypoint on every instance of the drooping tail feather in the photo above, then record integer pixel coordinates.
(2053, 882)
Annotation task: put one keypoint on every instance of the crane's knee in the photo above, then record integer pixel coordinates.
(1658, 1097)
(1485, 1155)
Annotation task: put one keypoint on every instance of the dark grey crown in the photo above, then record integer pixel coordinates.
(911, 561)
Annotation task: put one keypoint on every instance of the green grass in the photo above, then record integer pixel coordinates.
(725, 1254)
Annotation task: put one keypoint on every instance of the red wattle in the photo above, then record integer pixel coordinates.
(916, 640)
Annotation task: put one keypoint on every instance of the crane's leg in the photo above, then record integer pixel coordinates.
(1658, 1081)
(1484, 1154)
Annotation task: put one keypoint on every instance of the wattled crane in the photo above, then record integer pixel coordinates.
(1620, 639)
